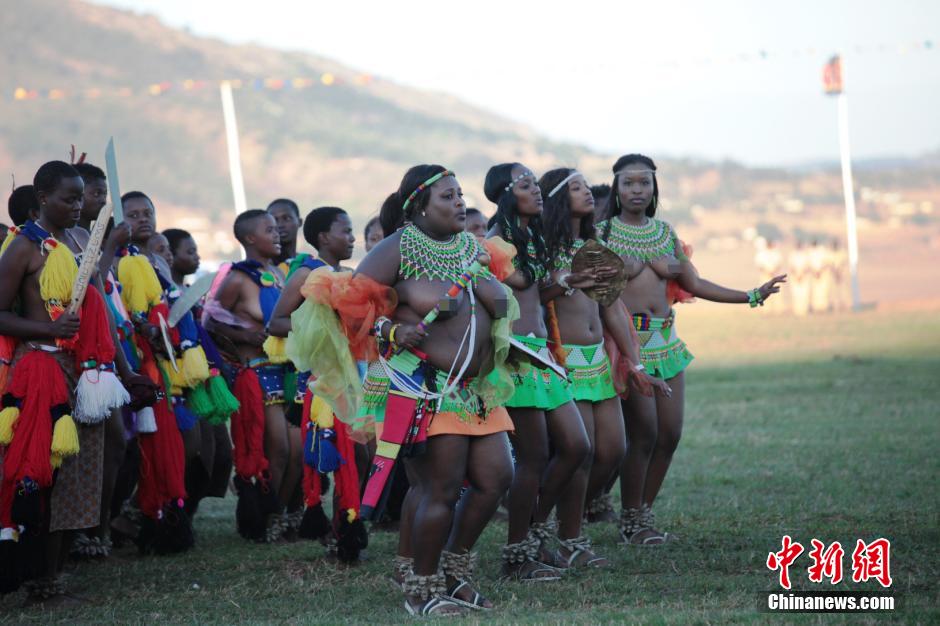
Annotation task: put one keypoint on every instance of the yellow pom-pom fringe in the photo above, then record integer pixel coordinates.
(8, 417)
(274, 347)
(65, 437)
(351, 515)
(176, 379)
(321, 413)
(55, 461)
(141, 287)
(194, 367)
(58, 274)
(11, 235)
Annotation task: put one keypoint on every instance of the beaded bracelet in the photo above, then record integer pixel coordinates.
(377, 327)
(391, 333)
(754, 298)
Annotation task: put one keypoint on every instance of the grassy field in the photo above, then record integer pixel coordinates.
(826, 428)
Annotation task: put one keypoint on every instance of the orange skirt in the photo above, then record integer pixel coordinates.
(449, 423)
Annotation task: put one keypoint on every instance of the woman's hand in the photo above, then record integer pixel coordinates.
(408, 335)
(581, 280)
(119, 237)
(660, 385)
(648, 385)
(254, 338)
(65, 326)
(772, 286)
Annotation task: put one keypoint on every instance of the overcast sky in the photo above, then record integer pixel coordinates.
(664, 77)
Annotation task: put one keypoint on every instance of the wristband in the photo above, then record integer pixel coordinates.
(754, 298)
(639, 368)
(563, 282)
(377, 327)
(391, 333)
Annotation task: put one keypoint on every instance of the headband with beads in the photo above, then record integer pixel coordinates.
(556, 188)
(517, 179)
(618, 173)
(424, 186)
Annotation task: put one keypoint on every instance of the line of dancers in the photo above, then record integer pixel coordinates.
(529, 361)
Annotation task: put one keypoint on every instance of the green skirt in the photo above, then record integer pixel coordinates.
(537, 388)
(661, 350)
(464, 399)
(589, 370)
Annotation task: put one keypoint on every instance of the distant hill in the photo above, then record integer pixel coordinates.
(349, 143)
(345, 144)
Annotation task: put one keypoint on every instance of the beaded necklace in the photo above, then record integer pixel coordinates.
(539, 271)
(647, 242)
(424, 257)
(565, 256)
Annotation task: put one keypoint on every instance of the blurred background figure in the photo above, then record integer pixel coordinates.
(476, 223)
(769, 262)
(373, 233)
(799, 278)
(819, 277)
(838, 293)
(601, 194)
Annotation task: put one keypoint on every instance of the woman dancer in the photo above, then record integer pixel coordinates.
(541, 407)
(441, 401)
(656, 265)
(569, 223)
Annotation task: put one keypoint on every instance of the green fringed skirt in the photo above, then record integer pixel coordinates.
(661, 350)
(589, 370)
(537, 388)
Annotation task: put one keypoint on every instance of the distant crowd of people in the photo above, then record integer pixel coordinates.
(817, 274)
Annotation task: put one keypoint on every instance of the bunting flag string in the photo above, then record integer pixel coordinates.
(328, 79)
(325, 79)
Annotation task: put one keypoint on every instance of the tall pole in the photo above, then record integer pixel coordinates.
(234, 154)
(848, 190)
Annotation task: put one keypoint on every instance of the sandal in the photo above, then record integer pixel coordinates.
(637, 522)
(579, 554)
(436, 606)
(459, 568)
(520, 562)
(429, 591)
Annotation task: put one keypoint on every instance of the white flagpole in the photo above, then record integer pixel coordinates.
(234, 154)
(848, 190)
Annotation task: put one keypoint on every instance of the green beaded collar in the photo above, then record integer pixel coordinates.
(424, 257)
(650, 241)
(563, 260)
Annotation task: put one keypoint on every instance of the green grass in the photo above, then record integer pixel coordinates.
(826, 429)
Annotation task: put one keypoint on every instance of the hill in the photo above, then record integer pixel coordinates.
(321, 133)
(347, 143)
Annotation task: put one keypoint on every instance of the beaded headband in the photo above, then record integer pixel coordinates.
(568, 178)
(653, 172)
(517, 179)
(424, 186)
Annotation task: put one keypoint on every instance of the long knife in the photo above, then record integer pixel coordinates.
(165, 333)
(89, 265)
(114, 187)
(190, 297)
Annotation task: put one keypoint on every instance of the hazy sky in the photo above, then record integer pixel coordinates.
(662, 76)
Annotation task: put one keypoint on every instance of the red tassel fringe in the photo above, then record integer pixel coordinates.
(39, 383)
(94, 338)
(248, 427)
(162, 463)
